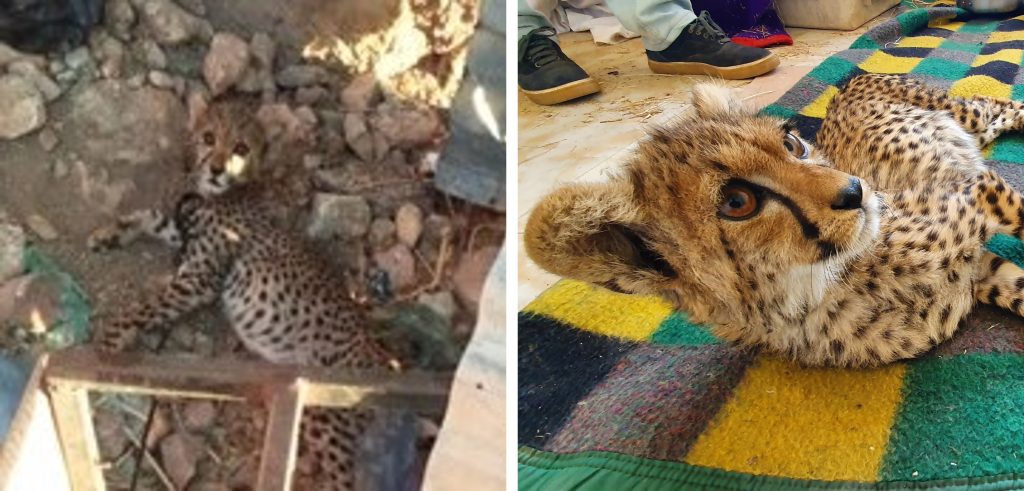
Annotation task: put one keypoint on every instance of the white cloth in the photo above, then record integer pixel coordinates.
(602, 24)
(582, 16)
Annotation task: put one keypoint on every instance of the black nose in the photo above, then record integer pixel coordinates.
(850, 197)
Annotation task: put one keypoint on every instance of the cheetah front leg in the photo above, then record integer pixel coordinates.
(128, 228)
(195, 284)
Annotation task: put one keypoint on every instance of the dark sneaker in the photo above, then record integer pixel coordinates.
(546, 75)
(704, 49)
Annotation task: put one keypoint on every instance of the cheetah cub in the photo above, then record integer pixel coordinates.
(867, 249)
(277, 297)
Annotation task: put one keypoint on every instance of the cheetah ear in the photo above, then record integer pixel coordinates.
(590, 232)
(712, 100)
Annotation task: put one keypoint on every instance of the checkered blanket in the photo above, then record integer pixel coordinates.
(620, 392)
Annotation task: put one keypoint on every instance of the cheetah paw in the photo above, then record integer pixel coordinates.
(104, 239)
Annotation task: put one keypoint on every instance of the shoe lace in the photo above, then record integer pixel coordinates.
(705, 27)
(538, 47)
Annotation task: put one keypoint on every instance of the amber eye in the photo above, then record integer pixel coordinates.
(208, 138)
(738, 202)
(795, 146)
(241, 149)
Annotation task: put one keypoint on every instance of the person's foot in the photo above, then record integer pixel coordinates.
(546, 75)
(702, 48)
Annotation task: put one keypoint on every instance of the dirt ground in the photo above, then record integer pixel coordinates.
(115, 139)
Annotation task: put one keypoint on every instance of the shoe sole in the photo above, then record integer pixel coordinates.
(562, 93)
(738, 72)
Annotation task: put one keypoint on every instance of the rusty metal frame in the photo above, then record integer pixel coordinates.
(284, 390)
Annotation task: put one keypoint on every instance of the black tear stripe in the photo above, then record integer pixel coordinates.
(810, 230)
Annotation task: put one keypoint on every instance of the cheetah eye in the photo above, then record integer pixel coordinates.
(739, 202)
(795, 146)
(208, 138)
(241, 149)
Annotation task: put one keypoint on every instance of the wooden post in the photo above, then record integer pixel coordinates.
(78, 439)
(71, 373)
(280, 443)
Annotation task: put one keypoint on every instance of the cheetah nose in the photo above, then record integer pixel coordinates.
(851, 197)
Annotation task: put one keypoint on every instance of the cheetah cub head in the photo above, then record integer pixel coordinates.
(229, 146)
(706, 211)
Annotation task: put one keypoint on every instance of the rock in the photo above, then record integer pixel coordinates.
(66, 78)
(195, 6)
(306, 115)
(279, 121)
(42, 227)
(12, 248)
(120, 18)
(399, 265)
(48, 139)
(358, 137)
(259, 76)
(111, 122)
(136, 81)
(340, 180)
(435, 229)
(170, 24)
(161, 79)
(60, 169)
(360, 92)
(151, 54)
(9, 55)
(179, 453)
(332, 120)
(345, 217)
(262, 48)
(78, 59)
(310, 96)
(295, 76)
(470, 274)
(199, 415)
(331, 140)
(110, 52)
(409, 224)
(24, 107)
(408, 127)
(442, 302)
(225, 62)
(56, 66)
(382, 234)
(251, 82)
(312, 161)
(31, 72)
